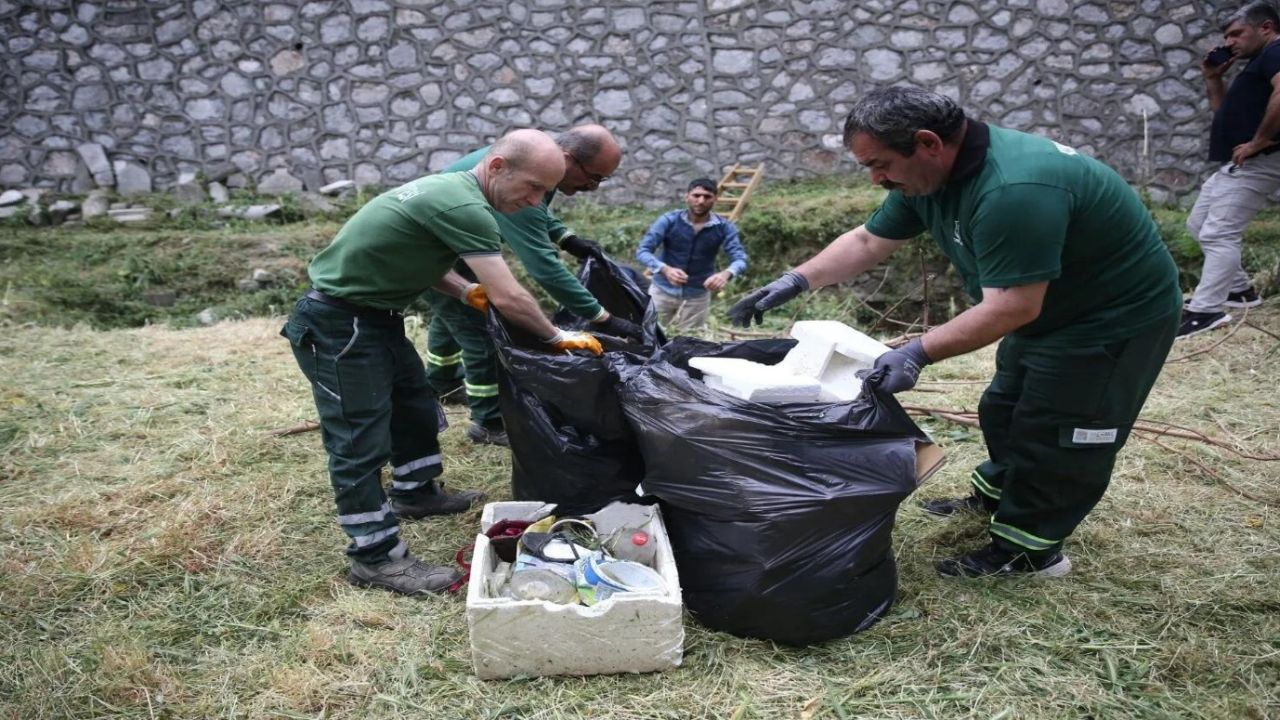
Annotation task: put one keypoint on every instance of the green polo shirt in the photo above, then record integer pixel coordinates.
(403, 241)
(1020, 209)
(534, 235)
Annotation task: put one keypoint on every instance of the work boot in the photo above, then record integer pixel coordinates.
(482, 435)
(992, 561)
(954, 506)
(433, 500)
(407, 576)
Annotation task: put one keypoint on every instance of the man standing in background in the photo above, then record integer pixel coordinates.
(684, 276)
(1246, 122)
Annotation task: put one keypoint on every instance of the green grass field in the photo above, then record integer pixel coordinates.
(161, 556)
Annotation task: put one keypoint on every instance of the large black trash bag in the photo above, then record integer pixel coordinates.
(570, 442)
(780, 516)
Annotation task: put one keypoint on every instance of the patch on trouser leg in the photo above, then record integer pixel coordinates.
(1091, 436)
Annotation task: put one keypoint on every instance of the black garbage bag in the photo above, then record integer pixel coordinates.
(570, 442)
(779, 515)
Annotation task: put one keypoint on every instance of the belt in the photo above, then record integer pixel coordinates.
(351, 307)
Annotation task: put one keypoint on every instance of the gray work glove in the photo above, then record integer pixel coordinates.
(770, 296)
(581, 247)
(901, 367)
(619, 327)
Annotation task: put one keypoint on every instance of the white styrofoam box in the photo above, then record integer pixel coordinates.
(756, 381)
(833, 353)
(628, 632)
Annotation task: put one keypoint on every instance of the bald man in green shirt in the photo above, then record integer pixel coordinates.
(367, 381)
(1068, 271)
(458, 344)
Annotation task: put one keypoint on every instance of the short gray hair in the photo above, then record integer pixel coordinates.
(1254, 14)
(894, 115)
(584, 146)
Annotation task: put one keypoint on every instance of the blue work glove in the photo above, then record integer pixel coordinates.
(901, 367)
(770, 296)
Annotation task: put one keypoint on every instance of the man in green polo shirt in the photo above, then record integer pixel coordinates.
(1065, 265)
(368, 383)
(458, 345)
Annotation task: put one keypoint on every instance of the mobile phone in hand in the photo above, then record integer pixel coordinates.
(1219, 55)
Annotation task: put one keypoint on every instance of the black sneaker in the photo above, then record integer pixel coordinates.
(407, 576)
(991, 561)
(1246, 298)
(948, 508)
(1194, 323)
(482, 435)
(434, 503)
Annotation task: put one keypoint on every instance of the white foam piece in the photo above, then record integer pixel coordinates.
(755, 381)
(823, 366)
(832, 353)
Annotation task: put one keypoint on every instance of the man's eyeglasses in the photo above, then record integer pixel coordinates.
(594, 178)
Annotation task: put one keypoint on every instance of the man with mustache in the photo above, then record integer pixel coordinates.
(1068, 271)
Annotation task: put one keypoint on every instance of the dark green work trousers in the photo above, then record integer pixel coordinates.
(1053, 420)
(375, 407)
(459, 349)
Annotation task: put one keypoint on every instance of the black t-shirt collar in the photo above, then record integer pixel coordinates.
(973, 151)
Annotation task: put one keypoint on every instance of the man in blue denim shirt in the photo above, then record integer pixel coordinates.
(684, 275)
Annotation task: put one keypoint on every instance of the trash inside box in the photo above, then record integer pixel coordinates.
(626, 632)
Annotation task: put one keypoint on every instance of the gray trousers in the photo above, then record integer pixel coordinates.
(680, 314)
(1228, 201)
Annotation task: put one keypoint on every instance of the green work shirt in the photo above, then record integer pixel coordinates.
(534, 235)
(1020, 209)
(403, 241)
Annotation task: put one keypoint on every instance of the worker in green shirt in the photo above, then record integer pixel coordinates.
(368, 383)
(1065, 265)
(459, 350)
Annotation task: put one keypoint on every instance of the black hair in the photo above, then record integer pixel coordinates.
(894, 115)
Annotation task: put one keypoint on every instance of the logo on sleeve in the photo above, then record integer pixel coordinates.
(956, 234)
(1065, 150)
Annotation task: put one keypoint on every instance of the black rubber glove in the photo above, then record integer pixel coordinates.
(901, 367)
(619, 327)
(768, 297)
(581, 248)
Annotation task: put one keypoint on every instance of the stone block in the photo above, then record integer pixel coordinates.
(96, 204)
(131, 178)
(95, 158)
(337, 187)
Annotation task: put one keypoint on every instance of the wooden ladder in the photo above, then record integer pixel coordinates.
(735, 187)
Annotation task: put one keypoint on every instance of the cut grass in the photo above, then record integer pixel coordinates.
(160, 557)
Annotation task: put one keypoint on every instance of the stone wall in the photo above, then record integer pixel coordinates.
(288, 94)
